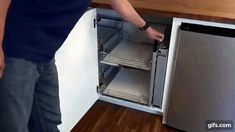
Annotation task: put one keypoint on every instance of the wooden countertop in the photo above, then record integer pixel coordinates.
(210, 10)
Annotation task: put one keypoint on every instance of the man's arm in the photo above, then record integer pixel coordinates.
(125, 9)
(4, 4)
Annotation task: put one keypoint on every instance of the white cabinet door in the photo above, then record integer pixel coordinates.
(77, 63)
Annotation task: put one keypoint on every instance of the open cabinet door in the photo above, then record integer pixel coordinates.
(77, 63)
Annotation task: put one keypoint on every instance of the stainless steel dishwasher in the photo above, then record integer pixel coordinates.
(203, 84)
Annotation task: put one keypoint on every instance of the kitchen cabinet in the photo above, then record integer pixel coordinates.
(85, 66)
(128, 69)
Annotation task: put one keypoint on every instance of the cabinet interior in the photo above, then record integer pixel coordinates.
(126, 57)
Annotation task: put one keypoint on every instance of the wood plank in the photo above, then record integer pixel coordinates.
(210, 10)
(106, 117)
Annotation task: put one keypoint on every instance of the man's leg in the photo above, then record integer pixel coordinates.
(46, 116)
(16, 94)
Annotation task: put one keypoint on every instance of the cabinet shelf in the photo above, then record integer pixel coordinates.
(126, 53)
(130, 84)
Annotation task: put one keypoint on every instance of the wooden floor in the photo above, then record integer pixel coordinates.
(106, 117)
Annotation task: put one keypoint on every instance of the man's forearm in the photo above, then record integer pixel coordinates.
(4, 4)
(124, 8)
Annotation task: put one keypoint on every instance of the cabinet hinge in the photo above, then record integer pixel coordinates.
(97, 88)
(161, 53)
(96, 21)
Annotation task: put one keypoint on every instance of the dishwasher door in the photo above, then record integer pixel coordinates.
(203, 84)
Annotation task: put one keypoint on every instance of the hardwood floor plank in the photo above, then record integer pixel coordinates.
(106, 117)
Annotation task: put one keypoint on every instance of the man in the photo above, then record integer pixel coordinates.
(33, 32)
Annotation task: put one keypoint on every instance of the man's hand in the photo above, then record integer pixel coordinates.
(2, 63)
(154, 34)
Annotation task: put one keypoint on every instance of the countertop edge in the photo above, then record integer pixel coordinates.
(145, 11)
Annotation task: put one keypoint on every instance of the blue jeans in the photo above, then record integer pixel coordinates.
(29, 97)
